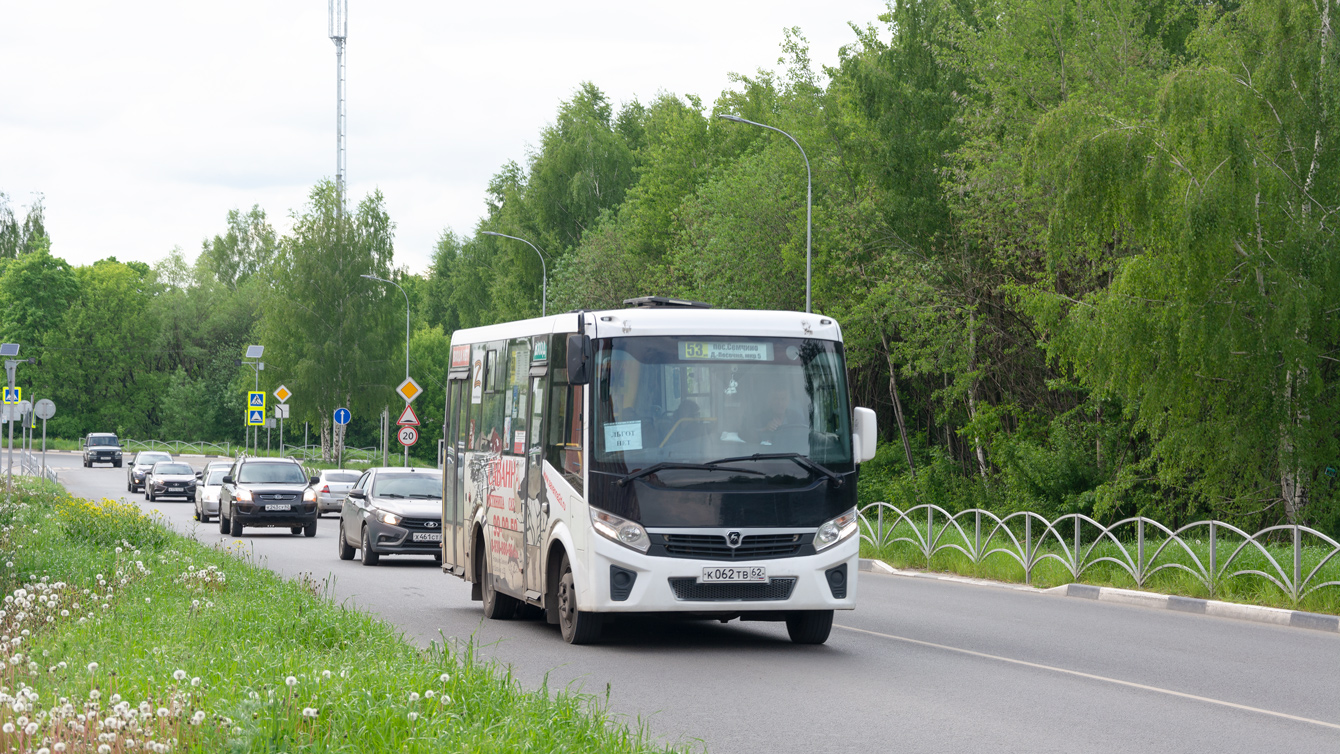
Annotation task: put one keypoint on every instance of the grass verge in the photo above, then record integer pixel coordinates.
(120, 635)
(1246, 589)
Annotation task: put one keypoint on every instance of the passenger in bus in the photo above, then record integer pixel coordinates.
(774, 416)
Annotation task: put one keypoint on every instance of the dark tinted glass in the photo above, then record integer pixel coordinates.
(271, 473)
(342, 477)
(408, 485)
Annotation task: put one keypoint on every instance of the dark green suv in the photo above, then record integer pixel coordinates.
(102, 447)
(267, 492)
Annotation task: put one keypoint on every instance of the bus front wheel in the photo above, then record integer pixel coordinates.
(578, 626)
(809, 626)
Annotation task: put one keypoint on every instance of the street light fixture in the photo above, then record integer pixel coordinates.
(809, 193)
(544, 269)
(255, 352)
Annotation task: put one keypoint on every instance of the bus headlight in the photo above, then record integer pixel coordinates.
(627, 533)
(834, 531)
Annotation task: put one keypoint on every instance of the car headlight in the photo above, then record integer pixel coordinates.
(309, 495)
(118, 454)
(387, 517)
(627, 533)
(243, 496)
(834, 531)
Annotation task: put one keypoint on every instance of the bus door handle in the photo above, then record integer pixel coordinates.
(544, 507)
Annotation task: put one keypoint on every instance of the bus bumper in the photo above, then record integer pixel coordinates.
(662, 584)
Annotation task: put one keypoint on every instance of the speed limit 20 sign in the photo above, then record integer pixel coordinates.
(407, 436)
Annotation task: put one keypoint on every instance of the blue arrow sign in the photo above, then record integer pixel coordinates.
(256, 418)
(342, 416)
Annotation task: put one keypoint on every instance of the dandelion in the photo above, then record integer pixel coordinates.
(7, 727)
(146, 600)
(413, 696)
(309, 712)
(413, 716)
(180, 675)
(163, 712)
(325, 674)
(446, 699)
(198, 717)
(444, 678)
(30, 728)
(291, 681)
(104, 749)
(429, 694)
(195, 681)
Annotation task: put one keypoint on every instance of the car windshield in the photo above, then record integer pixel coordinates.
(422, 486)
(173, 468)
(216, 477)
(149, 459)
(342, 477)
(695, 400)
(271, 473)
(102, 441)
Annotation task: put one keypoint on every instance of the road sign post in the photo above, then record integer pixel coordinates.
(45, 409)
(282, 393)
(342, 417)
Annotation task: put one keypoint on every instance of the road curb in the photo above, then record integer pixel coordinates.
(1254, 613)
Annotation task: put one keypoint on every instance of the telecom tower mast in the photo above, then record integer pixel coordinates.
(339, 29)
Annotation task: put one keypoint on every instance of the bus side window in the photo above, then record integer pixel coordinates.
(564, 445)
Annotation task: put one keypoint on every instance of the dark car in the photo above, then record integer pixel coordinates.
(392, 511)
(144, 461)
(267, 492)
(101, 447)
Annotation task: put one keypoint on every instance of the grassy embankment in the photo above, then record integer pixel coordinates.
(1253, 590)
(180, 647)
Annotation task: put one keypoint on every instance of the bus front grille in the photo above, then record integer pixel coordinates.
(688, 589)
(714, 547)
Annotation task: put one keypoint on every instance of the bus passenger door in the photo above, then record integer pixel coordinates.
(537, 502)
(453, 480)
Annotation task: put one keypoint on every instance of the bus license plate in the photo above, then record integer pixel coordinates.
(726, 575)
(423, 537)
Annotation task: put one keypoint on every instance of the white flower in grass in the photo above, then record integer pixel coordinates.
(163, 712)
(429, 694)
(44, 750)
(310, 712)
(104, 749)
(59, 748)
(413, 696)
(7, 727)
(444, 678)
(195, 681)
(179, 675)
(30, 729)
(413, 716)
(446, 699)
(198, 717)
(146, 599)
(325, 674)
(291, 681)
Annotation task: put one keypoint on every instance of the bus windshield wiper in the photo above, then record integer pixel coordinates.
(655, 467)
(803, 460)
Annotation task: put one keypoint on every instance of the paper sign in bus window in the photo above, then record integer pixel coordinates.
(623, 436)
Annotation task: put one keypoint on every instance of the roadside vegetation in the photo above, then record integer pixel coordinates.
(123, 636)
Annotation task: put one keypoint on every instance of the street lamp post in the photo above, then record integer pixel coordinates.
(809, 194)
(406, 295)
(544, 269)
(255, 352)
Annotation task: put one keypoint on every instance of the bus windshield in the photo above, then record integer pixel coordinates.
(696, 400)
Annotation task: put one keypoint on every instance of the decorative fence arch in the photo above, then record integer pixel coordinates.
(1078, 537)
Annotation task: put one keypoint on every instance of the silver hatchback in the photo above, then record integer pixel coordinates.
(331, 487)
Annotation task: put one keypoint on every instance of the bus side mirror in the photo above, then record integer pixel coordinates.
(864, 434)
(579, 359)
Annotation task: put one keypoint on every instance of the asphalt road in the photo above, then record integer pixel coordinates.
(920, 666)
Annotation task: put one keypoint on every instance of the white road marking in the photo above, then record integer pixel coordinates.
(1092, 677)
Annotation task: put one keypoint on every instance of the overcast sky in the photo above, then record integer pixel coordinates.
(143, 123)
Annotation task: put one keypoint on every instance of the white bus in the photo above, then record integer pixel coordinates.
(662, 458)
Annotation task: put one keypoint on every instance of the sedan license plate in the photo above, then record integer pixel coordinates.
(420, 536)
(278, 507)
(731, 575)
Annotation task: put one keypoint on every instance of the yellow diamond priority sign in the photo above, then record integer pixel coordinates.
(409, 390)
(283, 393)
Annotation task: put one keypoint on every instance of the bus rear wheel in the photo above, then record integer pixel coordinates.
(809, 626)
(578, 627)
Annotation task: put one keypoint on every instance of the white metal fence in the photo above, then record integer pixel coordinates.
(1211, 552)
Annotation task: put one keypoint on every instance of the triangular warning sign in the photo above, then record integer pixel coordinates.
(408, 417)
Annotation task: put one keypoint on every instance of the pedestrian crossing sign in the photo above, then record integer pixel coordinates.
(13, 394)
(256, 417)
(256, 399)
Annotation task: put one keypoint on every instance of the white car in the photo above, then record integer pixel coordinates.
(331, 487)
(207, 493)
(170, 479)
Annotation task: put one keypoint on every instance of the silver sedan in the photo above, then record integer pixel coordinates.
(207, 494)
(331, 487)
